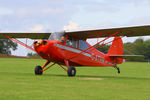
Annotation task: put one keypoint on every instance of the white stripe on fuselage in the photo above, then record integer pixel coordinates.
(71, 49)
(101, 60)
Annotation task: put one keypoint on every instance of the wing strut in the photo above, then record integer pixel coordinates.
(82, 52)
(23, 44)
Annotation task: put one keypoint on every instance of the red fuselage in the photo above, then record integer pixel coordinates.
(56, 51)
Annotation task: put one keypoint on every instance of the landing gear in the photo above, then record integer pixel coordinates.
(71, 71)
(117, 69)
(38, 70)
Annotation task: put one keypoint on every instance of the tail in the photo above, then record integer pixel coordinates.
(116, 49)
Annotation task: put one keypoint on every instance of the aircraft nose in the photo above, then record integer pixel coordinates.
(41, 47)
(45, 48)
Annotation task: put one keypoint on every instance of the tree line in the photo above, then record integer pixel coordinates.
(138, 47)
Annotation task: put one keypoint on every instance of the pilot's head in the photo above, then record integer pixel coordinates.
(63, 39)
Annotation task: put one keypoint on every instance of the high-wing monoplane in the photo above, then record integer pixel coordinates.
(72, 50)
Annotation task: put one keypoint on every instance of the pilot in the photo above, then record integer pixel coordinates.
(39, 42)
(63, 39)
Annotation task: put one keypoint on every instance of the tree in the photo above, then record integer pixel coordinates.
(128, 48)
(104, 48)
(138, 47)
(6, 45)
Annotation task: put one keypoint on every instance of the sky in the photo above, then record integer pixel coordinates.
(58, 15)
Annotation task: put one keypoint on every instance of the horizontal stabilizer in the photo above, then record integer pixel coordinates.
(128, 56)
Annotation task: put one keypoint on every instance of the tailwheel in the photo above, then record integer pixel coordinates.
(118, 69)
(71, 71)
(38, 70)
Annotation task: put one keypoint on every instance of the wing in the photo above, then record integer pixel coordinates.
(125, 31)
(26, 35)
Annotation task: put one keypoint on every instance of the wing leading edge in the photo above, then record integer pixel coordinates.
(125, 31)
(26, 35)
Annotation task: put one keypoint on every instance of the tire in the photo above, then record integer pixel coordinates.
(38, 70)
(71, 71)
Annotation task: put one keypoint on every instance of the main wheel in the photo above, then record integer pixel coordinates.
(38, 70)
(71, 71)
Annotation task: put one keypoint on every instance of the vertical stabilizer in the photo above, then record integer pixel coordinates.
(115, 49)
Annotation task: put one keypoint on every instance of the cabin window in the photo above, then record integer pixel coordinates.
(83, 45)
(72, 42)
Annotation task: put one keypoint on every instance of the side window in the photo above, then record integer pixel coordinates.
(72, 42)
(83, 45)
(69, 42)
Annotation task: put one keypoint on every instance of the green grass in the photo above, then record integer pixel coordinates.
(18, 82)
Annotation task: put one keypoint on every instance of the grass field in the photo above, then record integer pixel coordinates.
(18, 82)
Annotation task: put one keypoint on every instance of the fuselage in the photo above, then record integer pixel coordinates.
(56, 51)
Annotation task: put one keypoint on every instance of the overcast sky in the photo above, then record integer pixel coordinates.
(57, 15)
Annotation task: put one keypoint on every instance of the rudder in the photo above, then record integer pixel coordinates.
(116, 48)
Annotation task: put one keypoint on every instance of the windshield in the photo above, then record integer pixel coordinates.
(56, 35)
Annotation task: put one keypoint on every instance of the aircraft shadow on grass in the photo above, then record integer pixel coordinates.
(78, 76)
(108, 77)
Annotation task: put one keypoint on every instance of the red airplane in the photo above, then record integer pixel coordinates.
(72, 50)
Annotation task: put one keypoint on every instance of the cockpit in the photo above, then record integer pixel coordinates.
(56, 36)
(68, 40)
